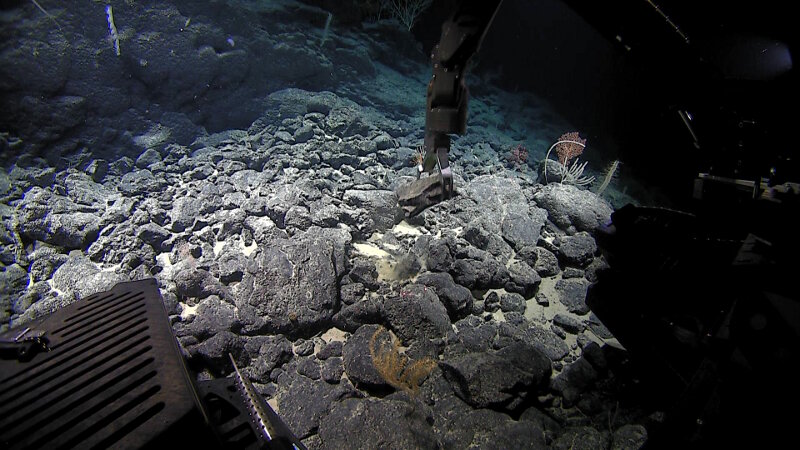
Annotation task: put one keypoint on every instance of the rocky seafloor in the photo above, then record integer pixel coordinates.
(283, 245)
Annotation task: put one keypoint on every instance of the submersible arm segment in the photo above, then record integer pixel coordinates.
(447, 95)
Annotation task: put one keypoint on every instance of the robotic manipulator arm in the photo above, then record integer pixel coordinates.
(447, 97)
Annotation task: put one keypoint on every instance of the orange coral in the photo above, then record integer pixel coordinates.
(418, 157)
(395, 368)
(568, 150)
(518, 155)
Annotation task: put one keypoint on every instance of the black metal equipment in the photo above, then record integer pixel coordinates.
(711, 319)
(106, 372)
(447, 101)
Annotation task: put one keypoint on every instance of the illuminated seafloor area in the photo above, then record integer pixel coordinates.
(246, 155)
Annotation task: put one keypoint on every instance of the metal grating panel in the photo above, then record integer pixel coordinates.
(113, 368)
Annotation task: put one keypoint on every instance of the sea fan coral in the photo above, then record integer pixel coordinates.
(570, 145)
(518, 155)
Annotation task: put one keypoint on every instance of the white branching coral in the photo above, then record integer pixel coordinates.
(407, 11)
(569, 173)
(574, 174)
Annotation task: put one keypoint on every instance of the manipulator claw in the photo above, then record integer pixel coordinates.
(437, 147)
(24, 345)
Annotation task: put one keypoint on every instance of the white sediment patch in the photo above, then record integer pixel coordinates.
(53, 288)
(218, 247)
(248, 249)
(535, 312)
(384, 263)
(547, 287)
(393, 247)
(498, 316)
(334, 334)
(187, 311)
(109, 267)
(164, 261)
(370, 250)
(403, 229)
